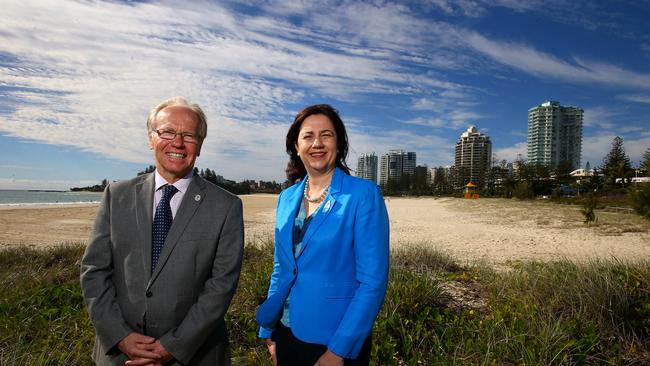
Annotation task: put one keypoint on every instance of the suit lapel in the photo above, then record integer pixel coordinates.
(192, 199)
(144, 215)
(325, 209)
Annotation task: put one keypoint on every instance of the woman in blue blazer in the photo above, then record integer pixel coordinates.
(331, 252)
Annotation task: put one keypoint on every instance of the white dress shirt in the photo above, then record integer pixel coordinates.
(177, 198)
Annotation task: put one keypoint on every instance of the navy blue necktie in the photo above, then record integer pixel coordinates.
(161, 223)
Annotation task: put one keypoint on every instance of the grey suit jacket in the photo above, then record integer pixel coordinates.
(183, 302)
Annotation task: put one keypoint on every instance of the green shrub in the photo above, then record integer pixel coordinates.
(589, 204)
(523, 191)
(640, 199)
(421, 259)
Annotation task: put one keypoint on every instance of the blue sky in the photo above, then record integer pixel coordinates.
(77, 78)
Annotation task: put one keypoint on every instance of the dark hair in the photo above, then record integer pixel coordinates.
(295, 168)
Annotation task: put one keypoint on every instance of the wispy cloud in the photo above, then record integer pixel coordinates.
(431, 149)
(600, 116)
(637, 98)
(92, 82)
(645, 47)
(16, 167)
(616, 119)
(100, 66)
(530, 60)
(468, 8)
(512, 153)
(595, 148)
(579, 13)
(450, 109)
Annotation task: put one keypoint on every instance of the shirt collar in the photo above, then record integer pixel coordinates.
(180, 184)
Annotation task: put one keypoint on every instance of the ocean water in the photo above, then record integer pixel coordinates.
(11, 197)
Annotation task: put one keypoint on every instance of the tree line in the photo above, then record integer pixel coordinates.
(526, 180)
(243, 187)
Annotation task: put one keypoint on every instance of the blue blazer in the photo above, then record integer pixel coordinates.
(338, 280)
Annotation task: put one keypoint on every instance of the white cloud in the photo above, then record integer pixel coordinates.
(595, 148)
(431, 149)
(629, 129)
(512, 153)
(444, 5)
(578, 13)
(600, 116)
(636, 147)
(637, 98)
(94, 79)
(466, 8)
(611, 120)
(85, 74)
(448, 110)
(429, 122)
(530, 60)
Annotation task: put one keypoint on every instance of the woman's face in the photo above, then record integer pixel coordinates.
(316, 144)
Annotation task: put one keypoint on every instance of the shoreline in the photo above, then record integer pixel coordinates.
(38, 205)
(29, 205)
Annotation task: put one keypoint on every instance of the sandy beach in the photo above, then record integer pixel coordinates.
(497, 231)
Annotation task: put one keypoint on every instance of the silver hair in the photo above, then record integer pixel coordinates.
(182, 102)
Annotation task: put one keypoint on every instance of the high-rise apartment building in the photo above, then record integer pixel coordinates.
(554, 134)
(367, 167)
(473, 158)
(394, 164)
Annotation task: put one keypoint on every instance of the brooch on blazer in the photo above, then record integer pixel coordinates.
(327, 206)
(197, 198)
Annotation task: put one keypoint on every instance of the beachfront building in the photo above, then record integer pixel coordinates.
(367, 167)
(431, 175)
(554, 135)
(394, 165)
(472, 159)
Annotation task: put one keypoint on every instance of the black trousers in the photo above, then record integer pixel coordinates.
(291, 351)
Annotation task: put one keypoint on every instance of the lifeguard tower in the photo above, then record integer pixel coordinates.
(470, 191)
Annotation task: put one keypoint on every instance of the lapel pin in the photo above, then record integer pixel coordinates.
(197, 198)
(327, 205)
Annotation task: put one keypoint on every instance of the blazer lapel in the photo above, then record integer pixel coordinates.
(328, 205)
(287, 215)
(192, 199)
(144, 217)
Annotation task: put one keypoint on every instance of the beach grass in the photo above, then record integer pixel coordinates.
(436, 311)
(42, 317)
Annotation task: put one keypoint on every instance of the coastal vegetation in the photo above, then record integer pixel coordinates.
(436, 311)
(608, 186)
(589, 204)
(96, 188)
(640, 198)
(243, 187)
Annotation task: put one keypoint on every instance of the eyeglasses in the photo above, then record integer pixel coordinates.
(170, 135)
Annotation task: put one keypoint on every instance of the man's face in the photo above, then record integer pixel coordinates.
(175, 158)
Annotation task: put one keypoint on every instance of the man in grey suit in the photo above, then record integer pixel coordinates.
(165, 254)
